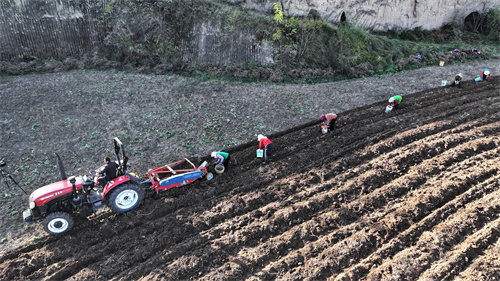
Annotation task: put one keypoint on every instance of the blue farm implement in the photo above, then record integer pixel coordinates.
(176, 174)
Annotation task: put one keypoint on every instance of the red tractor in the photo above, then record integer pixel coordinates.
(57, 202)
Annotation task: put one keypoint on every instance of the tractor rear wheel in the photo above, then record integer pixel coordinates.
(58, 223)
(125, 197)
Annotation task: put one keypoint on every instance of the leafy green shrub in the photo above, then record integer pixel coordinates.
(493, 24)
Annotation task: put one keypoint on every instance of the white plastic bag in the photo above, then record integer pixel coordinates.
(260, 153)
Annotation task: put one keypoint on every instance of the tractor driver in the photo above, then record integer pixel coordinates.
(108, 173)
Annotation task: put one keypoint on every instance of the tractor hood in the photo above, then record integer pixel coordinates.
(57, 189)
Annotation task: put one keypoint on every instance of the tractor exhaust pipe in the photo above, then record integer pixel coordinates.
(76, 198)
(61, 167)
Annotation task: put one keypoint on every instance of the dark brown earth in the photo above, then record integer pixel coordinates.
(409, 195)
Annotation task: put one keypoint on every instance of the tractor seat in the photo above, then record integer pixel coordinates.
(119, 172)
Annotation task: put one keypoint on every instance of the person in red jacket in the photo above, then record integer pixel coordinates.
(329, 119)
(267, 144)
(485, 75)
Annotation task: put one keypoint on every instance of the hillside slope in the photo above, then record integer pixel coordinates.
(409, 195)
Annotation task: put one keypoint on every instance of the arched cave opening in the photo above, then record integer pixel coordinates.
(474, 22)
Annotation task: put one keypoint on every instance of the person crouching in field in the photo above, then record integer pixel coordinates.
(395, 101)
(458, 80)
(267, 144)
(222, 158)
(485, 75)
(329, 119)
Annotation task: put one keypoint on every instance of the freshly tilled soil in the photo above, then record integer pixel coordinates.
(408, 195)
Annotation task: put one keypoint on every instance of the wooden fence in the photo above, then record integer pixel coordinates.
(44, 29)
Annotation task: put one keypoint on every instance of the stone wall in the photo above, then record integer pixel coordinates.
(380, 14)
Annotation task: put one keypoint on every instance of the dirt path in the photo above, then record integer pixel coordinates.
(410, 194)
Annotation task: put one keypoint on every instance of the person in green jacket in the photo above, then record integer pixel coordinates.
(222, 158)
(395, 101)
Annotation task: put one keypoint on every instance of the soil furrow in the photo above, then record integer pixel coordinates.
(433, 244)
(458, 258)
(483, 267)
(359, 270)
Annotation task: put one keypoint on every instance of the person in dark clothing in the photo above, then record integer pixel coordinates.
(108, 173)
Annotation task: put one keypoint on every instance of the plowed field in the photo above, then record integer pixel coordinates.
(409, 195)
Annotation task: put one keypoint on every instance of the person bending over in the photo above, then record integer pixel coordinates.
(329, 119)
(222, 158)
(267, 144)
(395, 101)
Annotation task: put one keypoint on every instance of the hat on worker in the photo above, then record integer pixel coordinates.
(259, 137)
(323, 117)
(486, 72)
(391, 100)
(214, 154)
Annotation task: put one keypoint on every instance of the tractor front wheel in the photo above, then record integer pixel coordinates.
(58, 223)
(125, 197)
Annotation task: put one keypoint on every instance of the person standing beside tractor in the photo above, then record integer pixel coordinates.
(108, 173)
(267, 144)
(222, 159)
(329, 119)
(395, 101)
